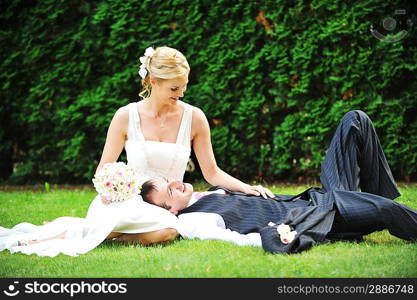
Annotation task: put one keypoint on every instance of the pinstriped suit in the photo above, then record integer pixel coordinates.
(354, 161)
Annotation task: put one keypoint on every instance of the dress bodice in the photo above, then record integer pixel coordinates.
(152, 159)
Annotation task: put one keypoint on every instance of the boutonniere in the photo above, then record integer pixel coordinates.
(286, 235)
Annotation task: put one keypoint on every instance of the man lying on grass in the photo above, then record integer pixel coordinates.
(289, 224)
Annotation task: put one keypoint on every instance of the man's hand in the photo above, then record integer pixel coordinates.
(259, 190)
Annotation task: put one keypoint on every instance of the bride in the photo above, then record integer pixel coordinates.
(157, 134)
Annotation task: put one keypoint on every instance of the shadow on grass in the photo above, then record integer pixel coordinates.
(109, 244)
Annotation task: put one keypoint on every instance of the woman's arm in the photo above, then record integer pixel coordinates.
(203, 149)
(116, 136)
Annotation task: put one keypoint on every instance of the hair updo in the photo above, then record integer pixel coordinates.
(165, 63)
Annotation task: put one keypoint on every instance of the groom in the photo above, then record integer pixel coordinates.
(354, 161)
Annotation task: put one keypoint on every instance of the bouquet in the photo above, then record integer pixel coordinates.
(116, 182)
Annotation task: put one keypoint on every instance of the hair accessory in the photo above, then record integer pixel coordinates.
(145, 61)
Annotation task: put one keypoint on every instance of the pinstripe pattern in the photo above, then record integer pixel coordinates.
(363, 213)
(243, 213)
(355, 159)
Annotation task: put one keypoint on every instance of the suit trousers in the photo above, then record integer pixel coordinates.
(355, 162)
(355, 159)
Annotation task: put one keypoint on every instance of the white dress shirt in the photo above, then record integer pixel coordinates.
(211, 226)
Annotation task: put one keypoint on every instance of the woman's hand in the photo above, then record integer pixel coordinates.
(258, 190)
(104, 200)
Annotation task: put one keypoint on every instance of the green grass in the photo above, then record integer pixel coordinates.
(380, 255)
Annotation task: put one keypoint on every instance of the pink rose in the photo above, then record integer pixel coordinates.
(288, 237)
(283, 229)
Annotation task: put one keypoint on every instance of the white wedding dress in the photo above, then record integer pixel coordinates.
(152, 160)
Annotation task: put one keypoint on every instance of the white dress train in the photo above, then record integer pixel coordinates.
(149, 158)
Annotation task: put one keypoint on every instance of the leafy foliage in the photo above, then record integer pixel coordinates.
(273, 77)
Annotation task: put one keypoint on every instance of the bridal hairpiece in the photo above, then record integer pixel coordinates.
(144, 60)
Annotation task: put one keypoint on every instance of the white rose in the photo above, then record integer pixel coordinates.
(283, 229)
(149, 51)
(288, 237)
(142, 72)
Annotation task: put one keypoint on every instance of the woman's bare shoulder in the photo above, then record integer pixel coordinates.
(122, 113)
(199, 124)
(198, 113)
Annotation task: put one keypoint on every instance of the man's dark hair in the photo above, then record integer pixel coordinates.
(147, 188)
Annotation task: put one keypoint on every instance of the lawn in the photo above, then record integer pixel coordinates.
(380, 255)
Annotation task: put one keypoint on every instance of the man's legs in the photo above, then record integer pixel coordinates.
(355, 159)
(365, 213)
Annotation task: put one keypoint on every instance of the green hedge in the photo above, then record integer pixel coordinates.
(273, 77)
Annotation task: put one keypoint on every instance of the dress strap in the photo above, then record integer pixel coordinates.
(184, 134)
(134, 123)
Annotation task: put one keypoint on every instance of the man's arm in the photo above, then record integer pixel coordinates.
(162, 236)
(211, 226)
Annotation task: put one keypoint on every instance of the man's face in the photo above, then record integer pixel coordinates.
(173, 196)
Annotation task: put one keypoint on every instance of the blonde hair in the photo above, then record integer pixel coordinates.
(165, 63)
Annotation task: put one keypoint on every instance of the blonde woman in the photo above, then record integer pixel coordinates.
(159, 131)
(157, 134)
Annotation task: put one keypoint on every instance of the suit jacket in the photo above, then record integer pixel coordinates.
(310, 213)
